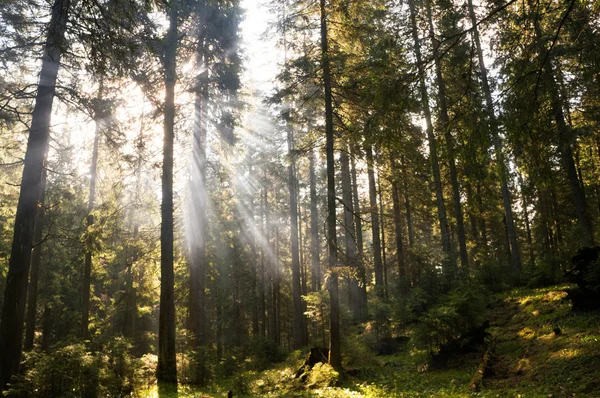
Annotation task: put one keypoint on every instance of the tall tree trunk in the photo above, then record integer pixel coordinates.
(99, 115)
(402, 285)
(36, 256)
(377, 261)
(15, 293)
(315, 259)
(361, 274)
(497, 142)
(407, 206)
(450, 145)
(565, 139)
(299, 336)
(199, 219)
(335, 353)
(435, 165)
(166, 370)
(349, 239)
(383, 255)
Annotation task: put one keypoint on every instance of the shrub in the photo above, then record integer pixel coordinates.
(457, 313)
(322, 375)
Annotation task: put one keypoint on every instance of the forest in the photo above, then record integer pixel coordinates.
(333, 198)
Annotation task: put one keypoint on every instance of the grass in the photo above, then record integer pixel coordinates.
(543, 349)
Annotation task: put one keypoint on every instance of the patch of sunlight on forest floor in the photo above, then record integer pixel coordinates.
(542, 350)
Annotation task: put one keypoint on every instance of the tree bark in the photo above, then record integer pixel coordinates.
(15, 293)
(497, 142)
(335, 354)
(166, 371)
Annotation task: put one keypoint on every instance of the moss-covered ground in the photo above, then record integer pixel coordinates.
(543, 349)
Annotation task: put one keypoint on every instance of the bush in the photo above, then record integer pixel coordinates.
(73, 371)
(458, 312)
(322, 375)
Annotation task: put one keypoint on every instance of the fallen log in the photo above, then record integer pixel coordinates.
(483, 367)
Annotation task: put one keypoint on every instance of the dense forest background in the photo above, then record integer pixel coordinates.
(174, 208)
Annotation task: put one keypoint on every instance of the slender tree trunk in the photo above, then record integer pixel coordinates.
(299, 337)
(36, 256)
(361, 274)
(497, 142)
(450, 145)
(377, 261)
(349, 236)
(166, 371)
(383, 255)
(99, 115)
(565, 139)
(335, 353)
(407, 206)
(402, 282)
(314, 228)
(435, 166)
(15, 293)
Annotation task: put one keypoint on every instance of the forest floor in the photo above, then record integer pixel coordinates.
(542, 349)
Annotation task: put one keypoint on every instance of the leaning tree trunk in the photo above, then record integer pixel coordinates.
(87, 266)
(500, 159)
(361, 274)
(335, 353)
(166, 370)
(450, 148)
(36, 257)
(15, 293)
(435, 165)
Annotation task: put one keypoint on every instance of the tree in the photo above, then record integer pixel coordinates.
(166, 371)
(335, 354)
(13, 313)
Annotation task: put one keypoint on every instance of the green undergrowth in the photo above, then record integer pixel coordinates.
(543, 350)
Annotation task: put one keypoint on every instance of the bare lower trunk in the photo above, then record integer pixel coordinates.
(166, 370)
(36, 256)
